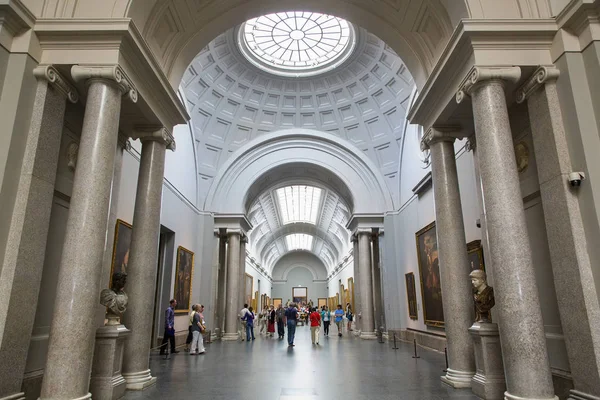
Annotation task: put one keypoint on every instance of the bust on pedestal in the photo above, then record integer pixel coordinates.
(106, 382)
(489, 382)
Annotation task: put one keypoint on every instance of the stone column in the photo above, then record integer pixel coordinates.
(242, 284)
(72, 333)
(571, 266)
(376, 271)
(366, 284)
(521, 327)
(232, 304)
(357, 303)
(25, 249)
(457, 291)
(222, 285)
(143, 258)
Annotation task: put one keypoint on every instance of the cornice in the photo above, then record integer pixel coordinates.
(52, 76)
(538, 78)
(15, 16)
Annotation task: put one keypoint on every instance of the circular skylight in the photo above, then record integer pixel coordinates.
(297, 43)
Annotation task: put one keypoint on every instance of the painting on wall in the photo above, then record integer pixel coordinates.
(411, 295)
(351, 292)
(183, 280)
(475, 255)
(121, 247)
(321, 301)
(254, 302)
(300, 295)
(249, 282)
(277, 302)
(429, 271)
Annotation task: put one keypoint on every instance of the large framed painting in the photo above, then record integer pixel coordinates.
(321, 302)
(184, 272)
(277, 302)
(429, 271)
(475, 255)
(351, 292)
(300, 295)
(249, 282)
(121, 247)
(254, 303)
(411, 295)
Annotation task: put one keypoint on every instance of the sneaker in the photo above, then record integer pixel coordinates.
(202, 352)
(175, 352)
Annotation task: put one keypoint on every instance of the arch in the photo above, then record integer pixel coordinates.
(302, 259)
(229, 191)
(417, 30)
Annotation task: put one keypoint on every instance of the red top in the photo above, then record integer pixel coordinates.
(315, 318)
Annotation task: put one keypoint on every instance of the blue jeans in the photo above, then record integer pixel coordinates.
(249, 332)
(291, 330)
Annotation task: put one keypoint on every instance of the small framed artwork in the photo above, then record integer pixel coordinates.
(121, 247)
(321, 302)
(183, 280)
(249, 282)
(429, 271)
(277, 302)
(475, 255)
(411, 295)
(300, 295)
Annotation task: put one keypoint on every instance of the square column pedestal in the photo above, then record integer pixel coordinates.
(107, 383)
(489, 382)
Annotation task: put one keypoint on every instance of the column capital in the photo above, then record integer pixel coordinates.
(354, 238)
(485, 74)
(437, 134)
(365, 231)
(544, 74)
(108, 72)
(52, 76)
(243, 239)
(155, 133)
(231, 232)
(124, 142)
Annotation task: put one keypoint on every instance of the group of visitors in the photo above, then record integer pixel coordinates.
(196, 327)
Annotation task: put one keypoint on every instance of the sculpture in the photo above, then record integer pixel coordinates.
(115, 299)
(483, 296)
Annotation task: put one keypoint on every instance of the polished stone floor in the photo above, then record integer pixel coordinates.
(344, 368)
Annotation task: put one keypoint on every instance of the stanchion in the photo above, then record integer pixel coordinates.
(395, 347)
(446, 355)
(415, 345)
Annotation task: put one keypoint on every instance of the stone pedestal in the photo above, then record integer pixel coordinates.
(489, 382)
(107, 383)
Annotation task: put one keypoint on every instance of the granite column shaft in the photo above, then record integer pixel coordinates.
(242, 281)
(143, 259)
(521, 326)
(232, 304)
(571, 266)
(28, 231)
(72, 336)
(222, 285)
(457, 292)
(376, 271)
(366, 284)
(357, 296)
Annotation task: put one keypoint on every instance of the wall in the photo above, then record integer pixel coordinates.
(345, 272)
(266, 283)
(299, 269)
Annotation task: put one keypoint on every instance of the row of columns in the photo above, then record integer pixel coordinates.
(72, 332)
(518, 310)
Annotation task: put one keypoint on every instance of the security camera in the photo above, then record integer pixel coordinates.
(575, 178)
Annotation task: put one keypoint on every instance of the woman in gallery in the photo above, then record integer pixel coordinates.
(326, 318)
(262, 319)
(339, 319)
(271, 321)
(349, 316)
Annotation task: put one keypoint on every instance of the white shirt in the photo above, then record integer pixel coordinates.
(243, 312)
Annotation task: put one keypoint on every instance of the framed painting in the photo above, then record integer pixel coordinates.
(184, 272)
(351, 292)
(121, 246)
(411, 295)
(249, 282)
(429, 271)
(277, 302)
(475, 255)
(254, 302)
(300, 295)
(321, 302)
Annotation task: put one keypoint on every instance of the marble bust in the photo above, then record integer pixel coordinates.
(483, 296)
(115, 299)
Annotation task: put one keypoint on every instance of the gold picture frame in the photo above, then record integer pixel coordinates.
(183, 280)
(411, 295)
(248, 289)
(351, 291)
(429, 272)
(475, 255)
(121, 247)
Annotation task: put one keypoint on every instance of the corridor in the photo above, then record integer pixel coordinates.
(337, 369)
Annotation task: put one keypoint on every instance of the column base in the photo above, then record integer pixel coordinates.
(577, 395)
(508, 396)
(139, 380)
(458, 379)
(488, 388)
(16, 396)
(230, 337)
(85, 397)
(368, 336)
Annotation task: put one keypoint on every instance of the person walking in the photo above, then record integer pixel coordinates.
(262, 319)
(315, 326)
(326, 318)
(242, 321)
(349, 316)
(190, 335)
(169, 334)
(249, 319)
(197, 330)
(280, 315)
(339, 319)
(271, 321)
(291, 315)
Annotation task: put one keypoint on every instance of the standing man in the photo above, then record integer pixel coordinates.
(169, 328)
(291, 315)
(243, 321)
(339, 319)
(280, 317)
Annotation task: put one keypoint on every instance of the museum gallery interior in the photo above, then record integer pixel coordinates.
(432, 164)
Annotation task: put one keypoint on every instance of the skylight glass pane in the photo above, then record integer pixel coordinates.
(299, 241)
(299, 203)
